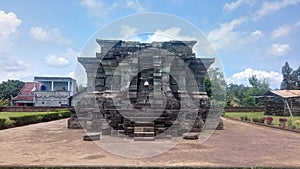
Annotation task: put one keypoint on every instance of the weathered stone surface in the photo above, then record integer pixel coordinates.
(191, 136)
(91, 136)
(74, 123)
(198, 125)
(220, 125)
(106, 130)
(144, 84)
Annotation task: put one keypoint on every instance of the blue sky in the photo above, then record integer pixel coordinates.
(251, 37)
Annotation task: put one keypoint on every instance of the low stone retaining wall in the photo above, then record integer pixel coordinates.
(42, 109)
(244, 109)
(30, 109)
(266, 125)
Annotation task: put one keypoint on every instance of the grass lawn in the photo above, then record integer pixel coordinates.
(14, 119)
(251, 115)
(6, 115)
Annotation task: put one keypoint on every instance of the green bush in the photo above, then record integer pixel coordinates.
(49, 117)
(247, 119)
(242, 118)
(262, 120)
(64, 113)
(23, 120)
(290, 122)
(256, 120)
(62, 110)
(223, 114)
(298, 124)
(9, 123)
(2, 123)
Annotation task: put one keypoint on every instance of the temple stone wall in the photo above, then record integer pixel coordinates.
(139, 89)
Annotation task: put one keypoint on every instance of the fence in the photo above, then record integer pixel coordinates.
(244, 109)
(30, 109)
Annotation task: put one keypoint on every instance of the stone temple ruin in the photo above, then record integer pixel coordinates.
(144, 91)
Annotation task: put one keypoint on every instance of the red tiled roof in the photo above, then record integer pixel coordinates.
(26, 93)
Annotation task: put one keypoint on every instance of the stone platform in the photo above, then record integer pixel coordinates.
(238, 145)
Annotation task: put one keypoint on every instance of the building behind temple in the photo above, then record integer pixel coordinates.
(46, 92)
(282, 102)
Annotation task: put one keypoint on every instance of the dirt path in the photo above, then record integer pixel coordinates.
(240, 144)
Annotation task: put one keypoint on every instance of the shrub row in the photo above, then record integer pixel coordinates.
(254, 119)
(23, 120)
(258, 120)
(245, 118)
(31, 119)
(2, 123)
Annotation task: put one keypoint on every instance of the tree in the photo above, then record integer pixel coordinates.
(10, 89)
(207, 84)
(240, 95)
(260, 87)
(287, 77)
(291, 78)
(215, 86)
(235, 94)
(296, 79)
(253, 81)
(4, 102)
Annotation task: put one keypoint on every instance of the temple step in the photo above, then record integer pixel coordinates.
(144, 138)
(144, 131)
(144, 124)
(144, 134)
(150, 119)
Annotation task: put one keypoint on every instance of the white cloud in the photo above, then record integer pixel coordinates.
(273, 6)
(10, 64)
(13, 68)
(248, 38)
(40, 34)
(102, 9)
(231, 6)
(6, 44)
(135, 5)
(129, 33)
(9, 23)
(226, 34)
(272, 77)
(256, 34)
(15, 65)
(228, 37)
(62, 59)
(54, 60)
(46, 34)
(202, 48)
(281, 31)
(284, 30)
(173, 33)
(94, 7)
(279, 49)
(17, 75)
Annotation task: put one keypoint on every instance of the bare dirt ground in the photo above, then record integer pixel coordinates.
(239, 144)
